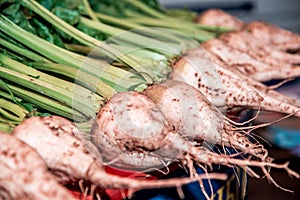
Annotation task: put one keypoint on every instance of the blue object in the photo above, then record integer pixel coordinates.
(285, 138)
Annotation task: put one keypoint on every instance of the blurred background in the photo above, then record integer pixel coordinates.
(283, 13)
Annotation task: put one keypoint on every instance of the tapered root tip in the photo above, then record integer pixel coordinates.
(291, 172)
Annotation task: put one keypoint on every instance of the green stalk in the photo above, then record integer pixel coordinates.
(141, 52)
(85, 126)
(63, 96)
(146, 8)
(44, 47)
(133, 14)
(183, 14)
(168, 23)
(6, 121)
(158, 61)
(145, 56)
(113, 76)
(117, 21)
(21, 51)
(7, 95)
(137, 28)
(23, 69)
(44, 102)
(60, 83)
(191, 30)
(60, 24)
(11, 111)
(154, 62)
(6, 127)
(175, 22)
(97, 68)
(89, 10)
(75, 33)
(80, 77)
(217, 29)
(167, 20)
(79, 48)
(133, 38)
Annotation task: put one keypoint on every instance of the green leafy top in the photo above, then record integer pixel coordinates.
(68, 10)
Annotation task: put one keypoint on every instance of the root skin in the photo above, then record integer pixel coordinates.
(57, 141)
(274, 36)
(238, 90)
(194, 117)
(24, 174)
(248, 65)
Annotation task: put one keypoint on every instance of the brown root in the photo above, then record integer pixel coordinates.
(239, 90)
(255, 47)
(241, 142)
(273, 35)
(193, 173)
(191, 115)
(248, 65)
(24, 174)
(210, 157)
(63, 152)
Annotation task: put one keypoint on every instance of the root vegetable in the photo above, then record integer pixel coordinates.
(255, 47)
(206, 60)
(192, 115)
(235, 89)
(24, 175)
(133, 122)
(248, 65)
(133, 160)
(268, 34)
(60, 144)
(274, 36)
(216, 17)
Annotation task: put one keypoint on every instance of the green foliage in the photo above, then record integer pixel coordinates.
(68, 10)
(13, 13)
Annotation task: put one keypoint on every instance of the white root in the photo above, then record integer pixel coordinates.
(268, 34)
(60, 144)
(171, 145)
(24, 174)
(193, 116)
(255, 47)
(185, 151)
(274, 36)
(235, 89)
(133, 160)
(242, 62)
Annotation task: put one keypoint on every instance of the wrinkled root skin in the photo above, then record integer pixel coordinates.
(249, 65)
(24, 175)
(59, 144)
(194, 117)
(237, 89)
